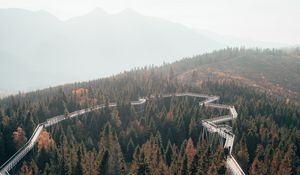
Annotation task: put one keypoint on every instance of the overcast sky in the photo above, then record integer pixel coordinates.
(261, 20)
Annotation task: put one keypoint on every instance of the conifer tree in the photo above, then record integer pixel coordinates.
(285, 166)
(129, 150)
(212, 170)
(196, 162)
(25, 170)
(242, 154)
(29, 125)
(184, 166)
(143, 165)
(169, 154)
(103, 169)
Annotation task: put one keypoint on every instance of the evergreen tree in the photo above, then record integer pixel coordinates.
(242, 154)
(25, 170)
(285, 166)
(129, 150)
(195, 163)
(169, 154)
(29, 125)
(212, 170)
(103, 169)
(184, 166)
(143, 165)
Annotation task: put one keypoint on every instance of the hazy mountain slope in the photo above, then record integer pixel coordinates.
(232, 41)
(23, 31)
(89, 46)
(12, 68)
(275, 72)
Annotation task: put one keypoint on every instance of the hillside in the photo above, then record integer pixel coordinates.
(166, 136)
(274, 72)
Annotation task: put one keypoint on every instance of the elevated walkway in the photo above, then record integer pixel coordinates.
(210, 124)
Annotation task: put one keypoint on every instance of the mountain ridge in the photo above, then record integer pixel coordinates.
(49, 44)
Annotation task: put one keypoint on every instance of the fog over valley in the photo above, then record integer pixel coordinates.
(38, 50)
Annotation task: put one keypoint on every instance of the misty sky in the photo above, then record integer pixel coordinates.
(261, 20)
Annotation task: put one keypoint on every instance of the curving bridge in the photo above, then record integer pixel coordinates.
(211, 125)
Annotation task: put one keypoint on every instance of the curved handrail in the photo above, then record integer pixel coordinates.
(6, 166)
(224, 131)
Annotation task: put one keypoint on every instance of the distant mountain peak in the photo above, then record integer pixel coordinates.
(98, 11)
(129, 11)
(46, 14)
